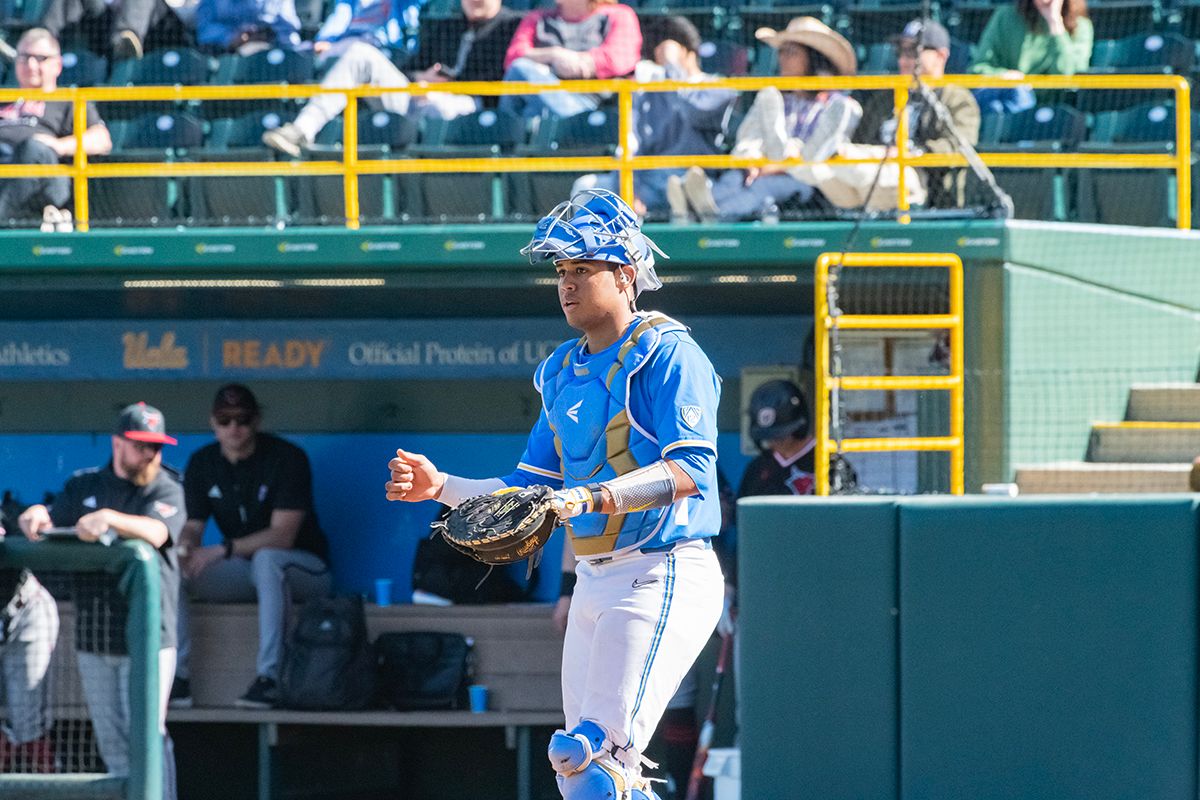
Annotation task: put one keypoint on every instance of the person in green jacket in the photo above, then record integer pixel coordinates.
(1031, 37)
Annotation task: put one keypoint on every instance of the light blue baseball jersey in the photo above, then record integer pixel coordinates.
(652, 395)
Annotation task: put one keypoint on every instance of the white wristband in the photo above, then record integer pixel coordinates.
(457, 489)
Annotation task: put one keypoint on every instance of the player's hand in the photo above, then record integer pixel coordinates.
(199, 559)
(414, 478)
(728, 620)
(321, 46)
(568, 503)
(91, 527)
(33, 521)
(562, 610)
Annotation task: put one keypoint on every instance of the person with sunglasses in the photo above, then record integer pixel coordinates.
(134, 496)
(37, 131)
(257, 487)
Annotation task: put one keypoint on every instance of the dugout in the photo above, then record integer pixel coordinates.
(357, 341)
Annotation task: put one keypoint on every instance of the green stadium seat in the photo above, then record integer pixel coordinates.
(878, 58)
(245, 199)
(466, 196)
(82, 68)
(875, 21)
(1149, 52)
(269, 66)
(1103, 195)
(724, 57)
(591, 133)
(168, 67)
(1038, 193)
(380, 197)
(966, 20)
(1117, 18)
(144, 202)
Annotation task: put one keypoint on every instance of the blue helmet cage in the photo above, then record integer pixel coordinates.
(596, 225)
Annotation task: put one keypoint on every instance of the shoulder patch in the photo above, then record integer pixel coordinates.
(165, 510)
(690, 415)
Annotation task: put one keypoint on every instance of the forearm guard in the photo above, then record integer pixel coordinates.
(648, 487)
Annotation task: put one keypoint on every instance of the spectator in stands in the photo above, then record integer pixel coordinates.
(691, 122)
(28, 634)
(924, 48)
(1031, 37)
(34, 131)
(810, 125)
(470, 48)
(118, 27)
(389, 25)
(576, 40)
(135, 497)
(246, 26)
(258, 489)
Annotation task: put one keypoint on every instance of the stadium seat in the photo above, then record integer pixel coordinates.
(269, 66)
(245, 199)
(1151, 52)
(591, 133)
(144, 201)
(724, 57)
(466, 196)
(1103, 195)
(1038, 193)
(169, 67)
(380, 197)
(875, 21)
(966, 20)
(82, 68)
(1117, 18)
(877, 59)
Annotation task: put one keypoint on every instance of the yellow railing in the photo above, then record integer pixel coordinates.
(624, 161)
(826, 383)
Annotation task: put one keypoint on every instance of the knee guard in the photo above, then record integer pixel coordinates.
(602, 780)
(571, 752)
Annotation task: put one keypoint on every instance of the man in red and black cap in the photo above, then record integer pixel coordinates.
(133, 496)
(258, 489)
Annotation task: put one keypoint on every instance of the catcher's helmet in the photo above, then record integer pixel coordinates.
(778, 409)
(596, 225)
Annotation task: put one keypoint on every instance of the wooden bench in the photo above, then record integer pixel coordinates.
(518, 654)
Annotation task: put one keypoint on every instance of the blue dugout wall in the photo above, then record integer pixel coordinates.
(369, 537)
(977, 647)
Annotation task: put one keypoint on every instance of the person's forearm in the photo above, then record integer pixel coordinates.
(130, 526)
(96, 141)
(269, 537)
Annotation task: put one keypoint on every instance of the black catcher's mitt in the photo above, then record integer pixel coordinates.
(510, 525)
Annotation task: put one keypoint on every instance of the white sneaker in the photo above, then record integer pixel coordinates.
(833, 128)
(699, 194)
(287, 138)
(64, 224)
(50, 219)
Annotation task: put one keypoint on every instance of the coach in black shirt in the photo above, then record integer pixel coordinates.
(258, 489)
(135, 497)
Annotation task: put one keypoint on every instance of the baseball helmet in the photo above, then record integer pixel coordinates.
(778, 409)
(596, 225)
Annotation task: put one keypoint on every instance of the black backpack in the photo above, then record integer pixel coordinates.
(440, 569)
(328, 664)
(424, 670)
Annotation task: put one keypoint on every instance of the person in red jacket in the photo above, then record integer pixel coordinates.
(575, 40)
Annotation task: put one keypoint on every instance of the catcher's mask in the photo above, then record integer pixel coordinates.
(778, 409)
(596, 225)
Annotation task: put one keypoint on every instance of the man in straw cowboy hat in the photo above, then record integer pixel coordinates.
(780, 125)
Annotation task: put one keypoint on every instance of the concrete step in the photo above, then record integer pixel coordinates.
(1079, 477)
(1144, 442)
(1164, 402)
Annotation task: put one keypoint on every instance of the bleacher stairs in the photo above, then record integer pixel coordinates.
(1150, 451)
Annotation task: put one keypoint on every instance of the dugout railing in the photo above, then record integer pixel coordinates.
(133, 567)
(350, 167)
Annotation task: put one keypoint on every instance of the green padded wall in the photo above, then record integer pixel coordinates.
(818, 639)
(982, 647)
(1048, 648)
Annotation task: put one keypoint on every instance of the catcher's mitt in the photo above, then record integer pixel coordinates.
(510, 525)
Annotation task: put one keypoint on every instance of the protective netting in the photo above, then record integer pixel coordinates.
(63, 630)
(395, 42)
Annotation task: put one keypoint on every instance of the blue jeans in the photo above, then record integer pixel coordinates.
(1006, 100)
(737, 201)
(561, 104)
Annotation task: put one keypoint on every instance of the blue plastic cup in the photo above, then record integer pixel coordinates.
(383, 591)
(479, 698)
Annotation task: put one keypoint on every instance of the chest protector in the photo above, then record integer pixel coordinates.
(595, 434)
